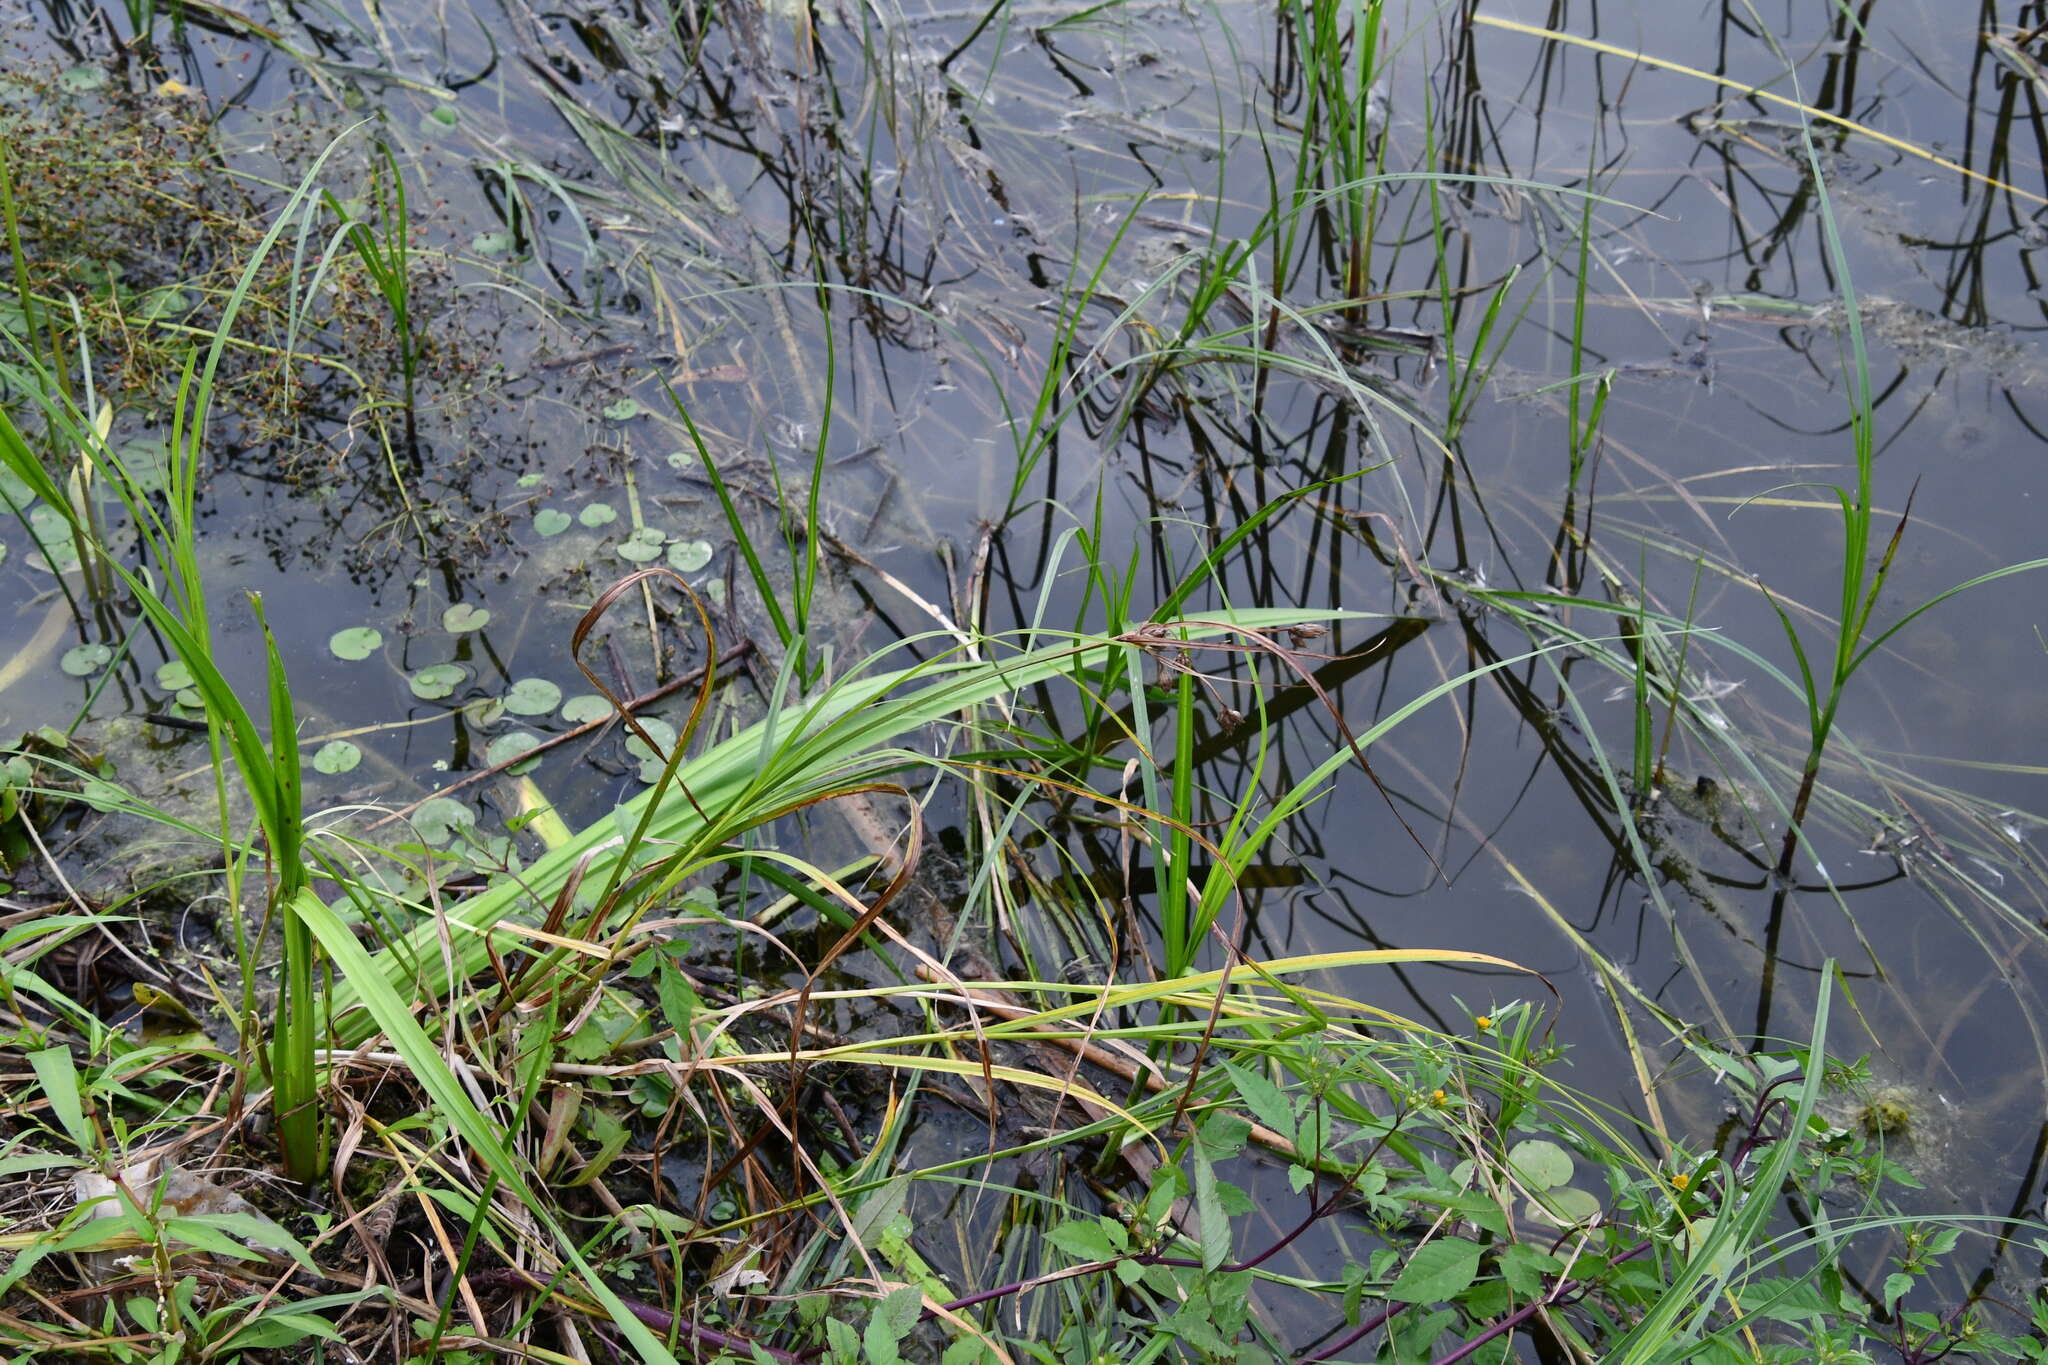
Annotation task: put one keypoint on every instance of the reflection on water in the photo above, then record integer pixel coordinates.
(858, 238)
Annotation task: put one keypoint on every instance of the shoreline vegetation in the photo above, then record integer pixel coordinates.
(805, 951)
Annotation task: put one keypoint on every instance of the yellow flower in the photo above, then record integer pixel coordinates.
(1438, 1098)
(1680, 1181)
(1484, 1021)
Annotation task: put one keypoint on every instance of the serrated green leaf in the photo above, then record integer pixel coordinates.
(1437, 1272)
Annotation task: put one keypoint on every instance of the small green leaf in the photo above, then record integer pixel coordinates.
(357, 642)
(532, 697)
(688, 556)
(585, 707)
(439, 817)
(1084, 1239)
(463, 617)
(1563, 1207)
(174, 676)
(625, 410)
(491, 243)
(658, 730)
(437, 680)
(1438, 1271)
(336, 756)
(642, 547)
(1540, 1165)
(82, 80)
(440, 118)
(550, 521)
(509, 746)
(59, 1079)
(597, 514)
(528, 480)
(681, 460)
(82, 661)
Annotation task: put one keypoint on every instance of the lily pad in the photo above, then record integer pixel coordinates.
(585, 707)
(625, 410)
(437, 680)
(532, 697)
(491, 243)
(528, 480)
(146, 463)
(440, 120)
(1540, 1165)
(53, 536)
(102, 795)
(336, 756)
(14, 491)
(510, 745)
(681, 460)
(439, 817)
(83, 661)
(643, 546)
(659, 730)
(357, 642)
(169, 301)
(550, 521)
(174, 676)
(597, 514)
(464, 617)
(688, 556)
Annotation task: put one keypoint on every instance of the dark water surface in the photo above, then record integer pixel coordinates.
(608, 197)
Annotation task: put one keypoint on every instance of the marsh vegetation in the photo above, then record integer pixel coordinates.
(1334, 680)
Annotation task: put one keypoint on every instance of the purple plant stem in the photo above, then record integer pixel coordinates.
(1352, 1337)
(1554, 1296)
(662, 1320)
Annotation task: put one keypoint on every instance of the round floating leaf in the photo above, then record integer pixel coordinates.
(464, 617)
(643, 546)
(437, 681)
(85, 660)
(1563, 1207)
(441, 118)
(510, 745)
(169, 301)
(597, 514)
(80, 80)
(357, 642)
(336, 756)
(625, 410)
(102, 796)
(190, 697)
(715, 590)
(528, 481)
(533, 697)
(688, 556)
(491, 243)
(1540, 1165)
(439, 817)
(660, 731)
(13, 490)
(146, 464)
(585, 707)
(174, 676)
(550, 521)
(680, 460)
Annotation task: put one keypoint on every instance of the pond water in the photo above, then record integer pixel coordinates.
(854, 237)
